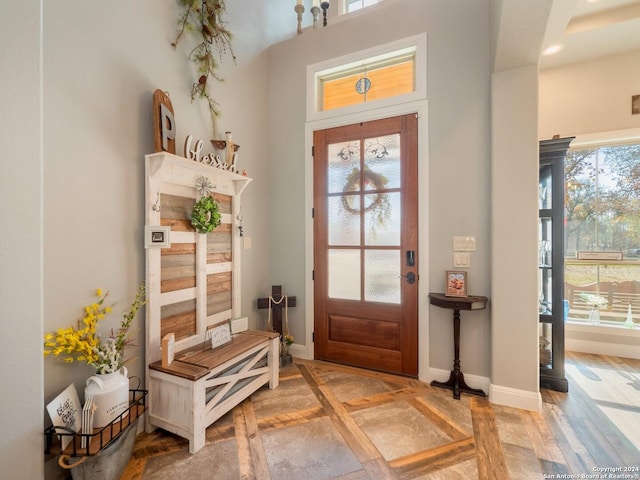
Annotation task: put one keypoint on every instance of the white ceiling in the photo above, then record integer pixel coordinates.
(590, 29)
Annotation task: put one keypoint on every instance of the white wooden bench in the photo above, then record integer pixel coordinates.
(202, 384)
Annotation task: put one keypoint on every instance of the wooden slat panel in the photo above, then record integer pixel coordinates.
(219, 282)
(177, 225)
(173, 207)
(179, 249)
(178, 318)
(177, 266)
(218, 302)
(224, 202)
(218, 242)
(221, 257)
(177, 284)
(183, 326)
(178, 271)
(222, 228)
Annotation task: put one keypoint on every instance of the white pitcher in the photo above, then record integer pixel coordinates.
(110, 393)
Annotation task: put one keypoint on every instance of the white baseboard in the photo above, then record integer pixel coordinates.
(512, 397)
(602, 348)
(604, 339)
(301, 351)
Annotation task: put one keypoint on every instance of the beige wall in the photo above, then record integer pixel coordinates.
(514, 173)
(21, 240)
(589, 97)
(97, 123)
(458, 69)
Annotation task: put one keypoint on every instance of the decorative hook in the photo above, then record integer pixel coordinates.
(156, 206)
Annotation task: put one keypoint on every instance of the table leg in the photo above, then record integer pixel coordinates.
(456, 379)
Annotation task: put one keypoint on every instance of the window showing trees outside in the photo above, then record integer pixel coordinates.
(602, 214)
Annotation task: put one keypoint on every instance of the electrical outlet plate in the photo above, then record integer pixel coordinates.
(462, 259)
(464, 244)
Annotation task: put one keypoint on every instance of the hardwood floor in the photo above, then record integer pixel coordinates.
(328, 421)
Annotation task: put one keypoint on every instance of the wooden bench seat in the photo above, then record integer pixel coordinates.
(201, 384)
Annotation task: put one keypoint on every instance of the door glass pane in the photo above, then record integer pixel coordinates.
(545, 340)
(382, 162)
(544, 187)
(344, 274)
(364, 205)
(383, 212)
(544, 247)
(382, 276)
(544, 261)
(343, 169)
(344, 227)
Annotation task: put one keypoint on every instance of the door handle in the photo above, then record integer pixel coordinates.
(410, 277)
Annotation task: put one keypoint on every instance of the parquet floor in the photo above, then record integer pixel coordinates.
(331, 422)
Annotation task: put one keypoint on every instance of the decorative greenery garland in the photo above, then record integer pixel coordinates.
(203, 19)
(205, 216)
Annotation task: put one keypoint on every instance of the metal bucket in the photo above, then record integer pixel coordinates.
(110, 463)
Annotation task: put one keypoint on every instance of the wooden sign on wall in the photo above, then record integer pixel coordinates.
(164, 124)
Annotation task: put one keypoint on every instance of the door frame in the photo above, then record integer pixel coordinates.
(420, 108)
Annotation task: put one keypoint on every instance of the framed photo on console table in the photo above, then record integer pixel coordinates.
(456, 284)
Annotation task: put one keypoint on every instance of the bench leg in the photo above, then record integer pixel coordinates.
(198, 440)
(274, 363)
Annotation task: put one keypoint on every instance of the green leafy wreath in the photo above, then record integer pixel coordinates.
(205, 216)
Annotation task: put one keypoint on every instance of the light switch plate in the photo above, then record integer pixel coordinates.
(462, 259)
(247, 243)
(464, 244)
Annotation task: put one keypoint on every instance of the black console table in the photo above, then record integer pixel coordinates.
(456, 380)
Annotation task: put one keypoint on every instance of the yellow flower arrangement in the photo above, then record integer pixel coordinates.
(83, 344)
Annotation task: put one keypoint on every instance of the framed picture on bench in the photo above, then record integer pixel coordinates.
(220, 334)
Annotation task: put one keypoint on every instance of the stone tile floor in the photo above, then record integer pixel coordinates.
(330, 422)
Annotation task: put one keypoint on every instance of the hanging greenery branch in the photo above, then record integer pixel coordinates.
(203, 19)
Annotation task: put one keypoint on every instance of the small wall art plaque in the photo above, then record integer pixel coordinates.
(157, 237)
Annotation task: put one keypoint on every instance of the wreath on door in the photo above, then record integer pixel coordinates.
(205, 216)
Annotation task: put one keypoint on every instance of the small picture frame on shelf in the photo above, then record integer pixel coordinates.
(157, 237)
(456, 284)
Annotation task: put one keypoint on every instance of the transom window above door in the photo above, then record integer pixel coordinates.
(371, 80)
(353, 5)
(382, 76)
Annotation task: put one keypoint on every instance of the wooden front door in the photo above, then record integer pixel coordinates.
(365, 245)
